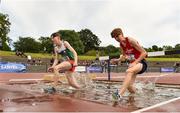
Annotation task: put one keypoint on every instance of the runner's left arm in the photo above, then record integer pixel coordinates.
(136, 45)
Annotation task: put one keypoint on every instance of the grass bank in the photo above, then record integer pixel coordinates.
(82, 57)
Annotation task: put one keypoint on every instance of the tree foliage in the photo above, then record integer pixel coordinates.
(73, 38)
(155, 48)
(27, 44)
(4, 30)
(177, 47)
(90, 40)
(46, 44)
(167, 47)
(109, 50)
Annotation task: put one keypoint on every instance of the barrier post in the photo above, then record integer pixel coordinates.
(108, 66)
(109, 70)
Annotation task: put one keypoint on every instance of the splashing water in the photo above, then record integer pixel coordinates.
(98, 91)
(145, 86)
(84, 79)
(149, 85)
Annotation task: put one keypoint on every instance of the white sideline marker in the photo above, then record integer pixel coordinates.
(80, 69)
(156, 105)
(156, 53)
(20, 80)
(104, 58)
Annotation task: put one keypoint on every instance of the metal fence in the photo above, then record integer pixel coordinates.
(116, 69)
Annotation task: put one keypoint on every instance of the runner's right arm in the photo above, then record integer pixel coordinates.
(122, 57)
(56, 58)
(50, 69)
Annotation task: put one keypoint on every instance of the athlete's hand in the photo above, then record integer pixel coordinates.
(50, 69)
(114, 61)
(75, 64)
(123, 58)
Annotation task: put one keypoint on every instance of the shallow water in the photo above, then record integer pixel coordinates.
(147, 94)
(100, 92)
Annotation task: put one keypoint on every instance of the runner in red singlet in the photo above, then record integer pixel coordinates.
(135, 55)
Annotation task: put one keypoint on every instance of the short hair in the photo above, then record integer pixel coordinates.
(115, 32)
(55, 35)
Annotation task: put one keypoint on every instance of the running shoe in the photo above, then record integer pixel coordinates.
(49, 90)
(116, 96)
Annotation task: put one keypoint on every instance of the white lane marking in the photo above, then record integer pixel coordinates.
(18, 80)
(156, 105)
(137, 76)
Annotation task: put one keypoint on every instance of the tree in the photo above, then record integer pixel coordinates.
(90, 40)
(160, 49)
(4, 30)
(167, 47)
(73, 38)
(111, 49)
(27, 44)
(148, 49)
(155, 47)
(177, 47)
(46, 44)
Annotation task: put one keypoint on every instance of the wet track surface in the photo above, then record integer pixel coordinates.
(95, 96)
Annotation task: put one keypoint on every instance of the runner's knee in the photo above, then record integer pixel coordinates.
(55, 68)
(130, 71)
(131, 89)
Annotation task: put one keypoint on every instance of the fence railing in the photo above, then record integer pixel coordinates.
(116, 69)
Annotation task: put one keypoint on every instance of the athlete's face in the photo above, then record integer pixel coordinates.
(56, 40)
(117, 38)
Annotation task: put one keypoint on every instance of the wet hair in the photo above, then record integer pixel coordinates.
(115, 32)
(55, 35)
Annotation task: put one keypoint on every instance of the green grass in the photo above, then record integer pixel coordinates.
(45, 55)
(6, 53)
(87, 57)
(164, 59)
(34, 55)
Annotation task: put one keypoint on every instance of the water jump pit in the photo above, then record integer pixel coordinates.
(24, 93)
